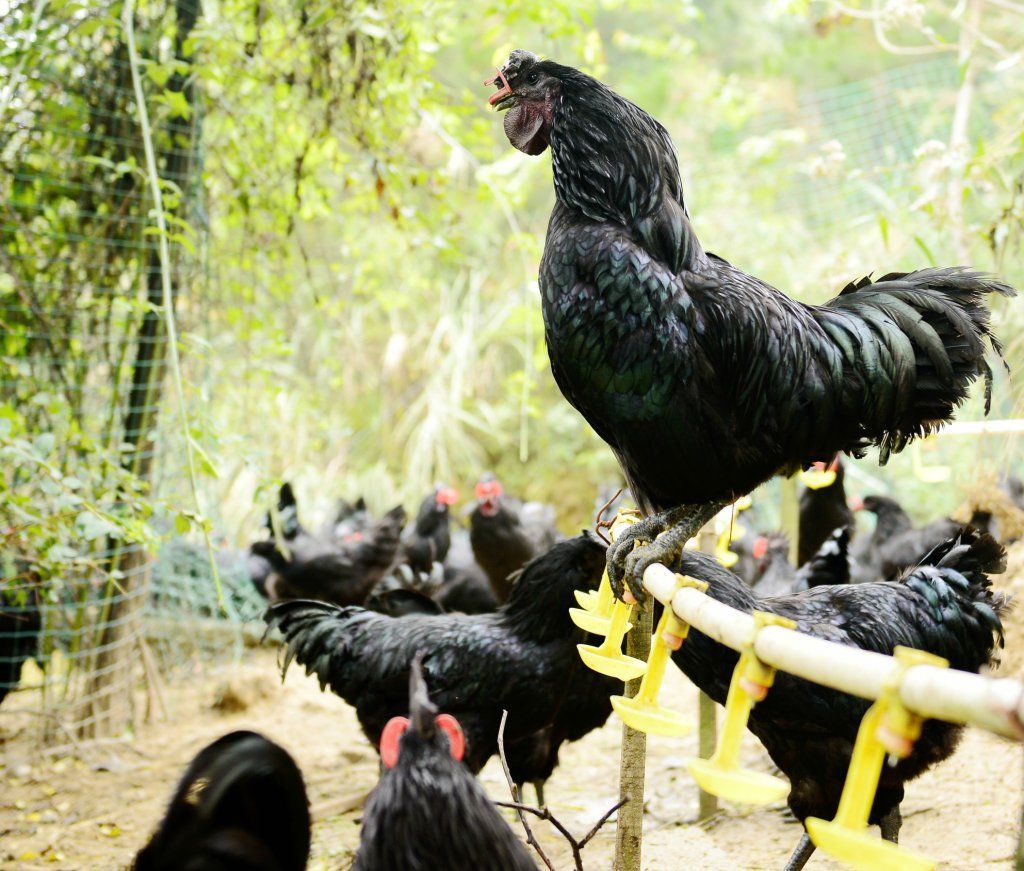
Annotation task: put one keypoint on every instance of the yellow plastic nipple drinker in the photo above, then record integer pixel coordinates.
(732, 531)
(887, 728)
(924, 472)
(642, 712)
(820, 475)
(595, 611)
(721, 775)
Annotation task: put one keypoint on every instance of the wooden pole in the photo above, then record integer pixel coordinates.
(707, 710)
(789, 510)
(632, 767)
(629, 827)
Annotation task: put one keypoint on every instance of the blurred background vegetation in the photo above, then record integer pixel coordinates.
(355, 245)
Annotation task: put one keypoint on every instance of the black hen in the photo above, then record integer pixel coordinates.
(823, 510)
(521, 659)
(466, 587)
(335, 571)
(706, 381)
(946, 607)
(908, 547)
(890, 520)
(21, 620)
(349, 521)
(428, 811)
(241, 806)
(427, 541)
(776, 575)
(507, 533)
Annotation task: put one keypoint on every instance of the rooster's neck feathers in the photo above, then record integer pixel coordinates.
(614, 163)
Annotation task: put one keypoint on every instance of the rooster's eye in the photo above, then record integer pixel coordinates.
(533, 78)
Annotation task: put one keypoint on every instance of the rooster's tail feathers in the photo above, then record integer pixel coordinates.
(926, 333)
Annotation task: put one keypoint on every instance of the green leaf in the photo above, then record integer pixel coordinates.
(177, 103)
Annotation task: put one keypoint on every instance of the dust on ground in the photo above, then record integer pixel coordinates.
(96, 808)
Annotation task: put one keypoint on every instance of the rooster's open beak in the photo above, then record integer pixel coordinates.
(505, 90)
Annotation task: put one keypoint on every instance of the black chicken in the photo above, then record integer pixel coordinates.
(350, 520)
(706, 381)
(428, 811)
(21, 620)
(427, 541)
(507, 533)
(906, 548)
(335, 571)
(466, 587)
(240, 806)
(521, 659)
(945, 606)
(405, 591)
(823, 510)
(890, 521)
(777, 575)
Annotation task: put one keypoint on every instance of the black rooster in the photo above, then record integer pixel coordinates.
(240, 806)
(427, 541)
(507, 533)
(823, 510)
(945, 606)
(428, 811)
(706, 381)
(521, 659)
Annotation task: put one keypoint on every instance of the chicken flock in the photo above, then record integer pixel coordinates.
(705, 382)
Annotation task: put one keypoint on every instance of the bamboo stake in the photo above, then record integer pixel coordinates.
(790, 516)
(994, 704)
(707, 713)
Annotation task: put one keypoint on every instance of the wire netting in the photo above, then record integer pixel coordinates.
(83, 355)
(92, 606)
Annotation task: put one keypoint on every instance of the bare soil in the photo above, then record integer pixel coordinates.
(96, 808)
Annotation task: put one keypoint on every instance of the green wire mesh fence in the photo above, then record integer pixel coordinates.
(94, 603)
(83, 355)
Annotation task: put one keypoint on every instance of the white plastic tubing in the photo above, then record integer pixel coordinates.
(995, 704)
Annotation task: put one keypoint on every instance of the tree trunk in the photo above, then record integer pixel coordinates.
(108, 697)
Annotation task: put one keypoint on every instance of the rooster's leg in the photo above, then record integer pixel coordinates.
(891, 824)
(803, 852)
(538, 787)
(663, 538)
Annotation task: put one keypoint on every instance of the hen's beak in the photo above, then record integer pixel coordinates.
(503, 92)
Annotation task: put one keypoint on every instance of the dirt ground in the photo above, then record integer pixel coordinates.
(95, 809)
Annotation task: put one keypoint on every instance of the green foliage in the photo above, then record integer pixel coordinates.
(357, 262)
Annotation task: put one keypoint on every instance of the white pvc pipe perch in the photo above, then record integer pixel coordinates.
(994, 704)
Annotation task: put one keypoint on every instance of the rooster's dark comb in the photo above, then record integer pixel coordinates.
(519, 58)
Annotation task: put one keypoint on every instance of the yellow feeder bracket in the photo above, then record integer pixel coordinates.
(642, 712)
(721, 775)
(608, 658)
(743, 503)
(888, 728)
(595, 611)
(923, 472)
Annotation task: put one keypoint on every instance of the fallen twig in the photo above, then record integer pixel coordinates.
(530, 839)
(544, 813)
